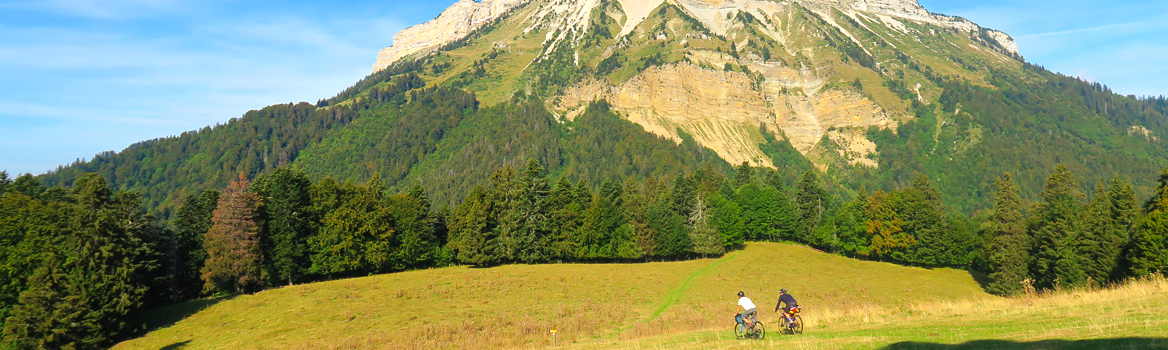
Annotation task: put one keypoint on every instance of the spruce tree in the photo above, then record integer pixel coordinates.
(50, 314)
(187, 255)
(1055, 231)
(533, 214)
(727, 220)
(1103, 239)
(1007, 243)
(100, 273)
(811, 204)
(287, 224)
(743, 174)
(232, 243)
(472, 229)
(706, 240)
(1126, 214)
(1149, 250)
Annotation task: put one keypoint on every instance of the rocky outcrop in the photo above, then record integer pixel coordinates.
(453, 24)
(723, 110)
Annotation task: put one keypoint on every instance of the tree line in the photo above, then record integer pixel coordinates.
(77, 261)
(1067, 240)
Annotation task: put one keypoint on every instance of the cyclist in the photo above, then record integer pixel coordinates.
(746, 308)
(785, 298)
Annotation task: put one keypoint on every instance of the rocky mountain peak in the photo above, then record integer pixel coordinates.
(466, 16)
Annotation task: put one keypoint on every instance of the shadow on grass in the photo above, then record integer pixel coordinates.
(982, 279)
(1115, 343)
(176, 346)
(150, 320)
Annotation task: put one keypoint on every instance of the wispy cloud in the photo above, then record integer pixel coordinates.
(1084, 30)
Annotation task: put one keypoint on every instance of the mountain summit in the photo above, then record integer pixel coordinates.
(721, 70)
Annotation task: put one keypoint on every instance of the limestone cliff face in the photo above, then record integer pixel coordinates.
(722, 109)
(453, 24)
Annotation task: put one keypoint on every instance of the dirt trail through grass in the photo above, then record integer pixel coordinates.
(675, 295)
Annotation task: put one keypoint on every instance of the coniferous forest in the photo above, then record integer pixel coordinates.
(78, 261)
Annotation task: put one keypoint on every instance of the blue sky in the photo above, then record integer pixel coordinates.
(78, 77)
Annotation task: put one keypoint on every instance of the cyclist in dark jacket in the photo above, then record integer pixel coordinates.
(785, 298)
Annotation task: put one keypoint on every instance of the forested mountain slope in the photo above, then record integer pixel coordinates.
(867, 93)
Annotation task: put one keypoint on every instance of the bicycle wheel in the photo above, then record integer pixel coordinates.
(760, 330)
(797, 327)
(739, 331)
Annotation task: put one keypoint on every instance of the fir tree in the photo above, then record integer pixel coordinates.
(232, 243)
(1006, 241)
(1055, 231)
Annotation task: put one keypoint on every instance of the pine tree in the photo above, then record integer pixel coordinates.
(1057, 227)
(1149, 250)
(706, 240)
(232, 243)
(285, 214)
(1006, 241)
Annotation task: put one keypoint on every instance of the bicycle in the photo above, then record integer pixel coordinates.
(791, 322)
(755, 331)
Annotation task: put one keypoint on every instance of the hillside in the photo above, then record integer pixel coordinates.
(515, 306)
(676, 305)
(869, 93)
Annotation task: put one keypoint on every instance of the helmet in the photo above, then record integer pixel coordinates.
(783, 291)
(740, 293)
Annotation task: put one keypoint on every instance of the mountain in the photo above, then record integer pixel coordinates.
(868, 92)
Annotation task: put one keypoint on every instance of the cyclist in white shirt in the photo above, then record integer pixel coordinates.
(746, 308)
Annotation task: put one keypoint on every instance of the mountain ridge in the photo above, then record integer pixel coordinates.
(465, 16)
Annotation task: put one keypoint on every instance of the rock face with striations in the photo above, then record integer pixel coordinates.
(722, 97)
(455, 23)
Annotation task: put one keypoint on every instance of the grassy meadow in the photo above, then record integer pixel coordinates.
(847, 304)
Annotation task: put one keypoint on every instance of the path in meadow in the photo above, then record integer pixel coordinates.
(675, 295)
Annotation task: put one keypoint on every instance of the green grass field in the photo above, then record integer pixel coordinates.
(666, 305)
